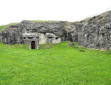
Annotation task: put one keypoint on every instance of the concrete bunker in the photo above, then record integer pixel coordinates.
(52, 38)
(32, 39)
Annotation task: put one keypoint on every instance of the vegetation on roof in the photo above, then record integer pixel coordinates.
(42, 21)
(5, 26)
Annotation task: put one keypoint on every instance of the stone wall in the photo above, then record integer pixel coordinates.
(14, 33)
(94, 32)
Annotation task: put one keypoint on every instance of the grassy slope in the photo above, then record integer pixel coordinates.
(4, 26)
(43, 21)
(59, 65)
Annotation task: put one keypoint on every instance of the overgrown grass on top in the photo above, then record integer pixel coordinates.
(57, 65)
(5, 26)
(42, 21)
(2, 27)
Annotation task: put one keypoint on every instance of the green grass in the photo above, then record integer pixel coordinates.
(2, 27)
(5, 26)
(45, 21)
(58, 65)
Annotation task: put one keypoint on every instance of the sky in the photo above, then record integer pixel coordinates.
(64, 10)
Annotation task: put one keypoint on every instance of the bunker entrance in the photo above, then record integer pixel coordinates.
(33, 45)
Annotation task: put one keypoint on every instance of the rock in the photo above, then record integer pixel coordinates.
(97, 32)
(94, 32)
(14, 33)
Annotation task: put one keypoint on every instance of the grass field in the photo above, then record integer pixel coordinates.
(58, 65)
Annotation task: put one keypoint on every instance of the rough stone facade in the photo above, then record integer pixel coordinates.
(32, 39)
(38, 32)
(96, 32)
(93, 32)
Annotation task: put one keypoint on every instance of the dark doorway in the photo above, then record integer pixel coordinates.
(33, 45)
